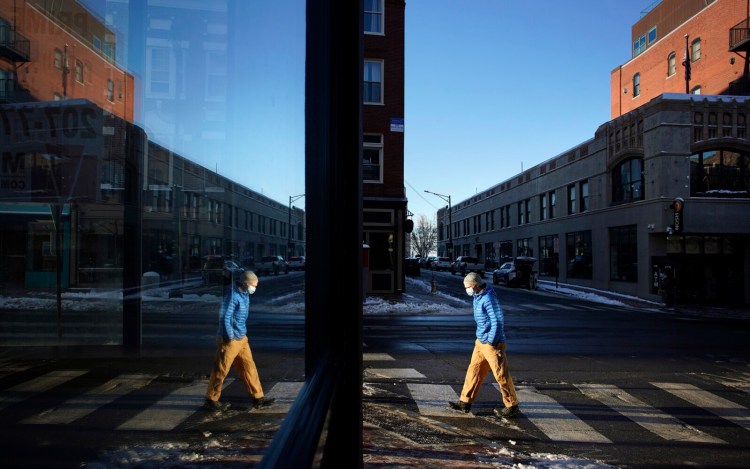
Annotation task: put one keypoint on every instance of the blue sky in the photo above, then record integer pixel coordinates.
(492, 87)
(495, 86)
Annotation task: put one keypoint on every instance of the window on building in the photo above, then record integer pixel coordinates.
(161, 72)
(58, 59)
(527, 210)
(695, 50)
(543, 210)
(79, 71)
(507, 215)
(639, 45)
(696, 90)
(578, 254)
(623, 253)
(373, 16)
(652, 35)
(524, 248)
(521, 213)
(636, 84)
(552, 204)
(671, 64)
(720, 173)
(627, 181)
(110, 90)
(372, 158)
(548, 255)
(216, 76)
(572, 200)
(584, 204)
(373, 85)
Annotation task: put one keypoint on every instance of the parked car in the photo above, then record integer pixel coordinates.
(411, 266)
(465, 264)
(219, 269)
(516, 273)
(502, 273)
(271, 264)
(441, 263)
(296, 263)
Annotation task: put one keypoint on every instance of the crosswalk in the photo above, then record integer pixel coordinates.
(558, 419)
(561, 424)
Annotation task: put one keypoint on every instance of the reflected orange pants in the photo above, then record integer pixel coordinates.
(237, 354)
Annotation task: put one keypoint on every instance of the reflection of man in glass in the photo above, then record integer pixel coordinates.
(233, 346)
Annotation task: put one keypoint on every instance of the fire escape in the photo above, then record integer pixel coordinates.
(739, 43)
(15, 49)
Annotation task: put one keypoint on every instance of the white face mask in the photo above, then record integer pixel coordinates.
(470, 291)
(250, 289)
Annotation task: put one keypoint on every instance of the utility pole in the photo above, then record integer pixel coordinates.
(447, 198)
(289, 251)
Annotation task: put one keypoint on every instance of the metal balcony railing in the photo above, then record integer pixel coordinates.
(739, 36)
(14, 46)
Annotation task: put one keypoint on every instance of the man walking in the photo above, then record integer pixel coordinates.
(233, 346)
(489, 350)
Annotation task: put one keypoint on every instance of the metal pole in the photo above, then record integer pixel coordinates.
(450, 227)
(289, 231)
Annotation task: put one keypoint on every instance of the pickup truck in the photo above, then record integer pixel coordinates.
(271, 264)
(465, 264)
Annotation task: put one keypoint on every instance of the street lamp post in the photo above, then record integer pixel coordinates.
(289, 252)
(447, 198)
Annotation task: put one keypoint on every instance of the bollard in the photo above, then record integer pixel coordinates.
(434, 285)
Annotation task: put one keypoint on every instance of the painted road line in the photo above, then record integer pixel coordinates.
(74, 409)
(432, 399)
(553, 419)
(397, 373)
(375, 357)
(172, 410)
(652, 419)
(285, 394)
(42, 383)
(724, 408)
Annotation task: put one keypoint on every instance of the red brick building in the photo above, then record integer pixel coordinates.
(55, 54)
(384, 195)
(713, 32)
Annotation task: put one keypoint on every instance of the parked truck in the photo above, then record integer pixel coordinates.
(465, 264)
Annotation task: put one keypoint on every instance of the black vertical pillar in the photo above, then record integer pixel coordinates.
(132, 226)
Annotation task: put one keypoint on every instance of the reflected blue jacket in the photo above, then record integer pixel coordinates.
(488, 314)
(235, 308)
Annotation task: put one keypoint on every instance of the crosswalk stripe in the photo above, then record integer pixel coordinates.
(74, 409)
(648, 417)
(432, 399)
(554, 420)
(536, 307)
(376, 357)
(42, 383)
(392, 373)
(561, 306)
(285, 394)
(717, 405)
(172, 410)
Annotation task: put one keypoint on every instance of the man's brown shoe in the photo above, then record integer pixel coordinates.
(507, 412)
(460, 406)
(262, 402)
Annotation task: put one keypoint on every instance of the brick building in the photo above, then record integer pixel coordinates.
(384, 195)
(712, 32)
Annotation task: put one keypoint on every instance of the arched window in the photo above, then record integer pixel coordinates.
(671, 60)
(695, 50)
(636, 84)
(627, 181)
